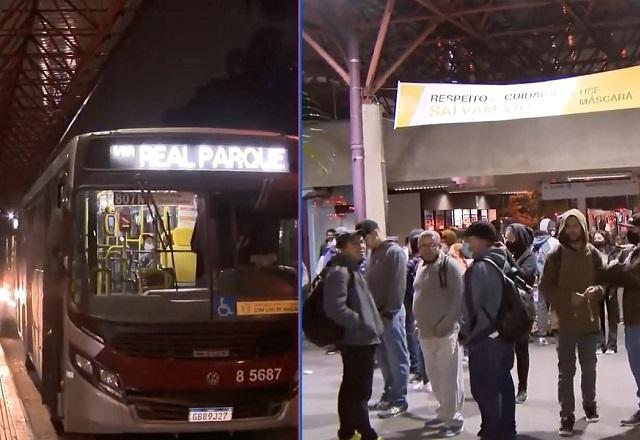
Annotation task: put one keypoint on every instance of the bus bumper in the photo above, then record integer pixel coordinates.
(92, 411)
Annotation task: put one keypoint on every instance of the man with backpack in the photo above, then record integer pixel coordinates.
(569, 284)
(348, 302)
(386, 274)
(437, 306)
(490, 353)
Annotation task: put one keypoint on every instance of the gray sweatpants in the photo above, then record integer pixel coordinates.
(443, 358)
(585, 344)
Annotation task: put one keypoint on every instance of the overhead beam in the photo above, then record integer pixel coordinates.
(404, 55)
(325, 56)
(377, 49)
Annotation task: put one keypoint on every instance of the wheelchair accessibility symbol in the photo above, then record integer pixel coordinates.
(226, 307)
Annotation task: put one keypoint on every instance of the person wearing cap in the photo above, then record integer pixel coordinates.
(348, 301)
(570, 283)
(417, 367)
(490, 356)
(386, 274)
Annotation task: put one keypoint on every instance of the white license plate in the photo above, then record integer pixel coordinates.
(203, 415)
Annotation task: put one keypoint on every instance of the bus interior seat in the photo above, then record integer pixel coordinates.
(151, 279)
(185, 259)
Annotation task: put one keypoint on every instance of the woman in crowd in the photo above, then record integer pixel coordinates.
(519, 241)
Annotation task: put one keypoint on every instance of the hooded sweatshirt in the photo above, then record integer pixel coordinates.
(567, 271)
(523, 253)
(386, 274)
(542, 246)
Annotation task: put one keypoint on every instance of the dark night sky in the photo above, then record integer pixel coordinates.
(172, 68)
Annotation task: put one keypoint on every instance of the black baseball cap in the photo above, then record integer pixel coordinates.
(344, 236)
(483, 230)
(366, 227)
(634, 221)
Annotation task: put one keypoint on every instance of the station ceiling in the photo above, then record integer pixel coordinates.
(465, 41)
(51, 54)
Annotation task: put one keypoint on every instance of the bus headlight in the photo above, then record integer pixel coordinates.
(98, 375)
(83, 364)
(110, 380)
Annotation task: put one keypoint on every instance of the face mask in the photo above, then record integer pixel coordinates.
(466, 252)
(633, 237)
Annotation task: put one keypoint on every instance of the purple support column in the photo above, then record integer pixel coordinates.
(357, 147)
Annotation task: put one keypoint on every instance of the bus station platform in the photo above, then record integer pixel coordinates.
(537, 419)
(13, 419)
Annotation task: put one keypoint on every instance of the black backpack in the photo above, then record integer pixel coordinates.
(442, 271)
(318, 328)
(517, 310)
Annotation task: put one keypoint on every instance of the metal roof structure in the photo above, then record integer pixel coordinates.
(465, 41)
(51, 52)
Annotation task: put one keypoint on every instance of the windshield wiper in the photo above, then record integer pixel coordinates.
(159, 227)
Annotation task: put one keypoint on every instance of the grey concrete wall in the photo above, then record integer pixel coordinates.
(594, 141)
(404, 214)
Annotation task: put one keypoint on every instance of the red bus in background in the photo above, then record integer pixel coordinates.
(156, 289)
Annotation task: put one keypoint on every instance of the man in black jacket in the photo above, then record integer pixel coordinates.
(348, 301)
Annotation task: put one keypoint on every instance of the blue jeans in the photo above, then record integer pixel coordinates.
(416, 358)
(490, 363)
(393, 357)
(632, 343)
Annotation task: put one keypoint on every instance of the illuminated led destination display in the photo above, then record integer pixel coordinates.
(272, 159)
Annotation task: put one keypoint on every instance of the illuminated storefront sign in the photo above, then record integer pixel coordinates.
(429, 104)
(200, 157)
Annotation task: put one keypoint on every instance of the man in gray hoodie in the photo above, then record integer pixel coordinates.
(437, 306)
(347, 301)
(386, 274)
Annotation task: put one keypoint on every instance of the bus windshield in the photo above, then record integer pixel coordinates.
(162, 256)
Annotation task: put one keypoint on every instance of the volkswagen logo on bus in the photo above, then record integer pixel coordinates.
(213, 379)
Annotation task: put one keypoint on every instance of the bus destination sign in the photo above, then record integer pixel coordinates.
(272, 159)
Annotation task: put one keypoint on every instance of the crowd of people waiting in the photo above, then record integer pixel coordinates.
(418, 311)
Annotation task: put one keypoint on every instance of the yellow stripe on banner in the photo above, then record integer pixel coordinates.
(266, 307)
(409, 95)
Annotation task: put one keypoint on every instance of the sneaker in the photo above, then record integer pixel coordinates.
(613, 350)
(434, 424)
(382, 405)
(449, 431)
(543, 341)
(591, 413)
(331, 351)
(521, 397)
(415, 378)
(421, 386)
(356, 436)
(394, 410)
(566, 427)
(632, 421)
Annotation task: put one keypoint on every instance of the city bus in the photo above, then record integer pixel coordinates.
(156, 289)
